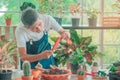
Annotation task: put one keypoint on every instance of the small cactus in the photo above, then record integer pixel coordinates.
(26, 68)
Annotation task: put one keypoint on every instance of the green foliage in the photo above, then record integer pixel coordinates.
(26, 5)
(101, 73)
(112, 68)
(8, 49)
(26, 68)
(43, 6)
(92, 12)
(7, 16)
(116, 4)
(52, 7)
(77, 56)
(74, 37)
(79, 51)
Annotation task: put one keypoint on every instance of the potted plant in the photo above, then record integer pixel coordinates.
(101, 75)
(94, 67)
(56, 9)
(78, 52)
(81, 74)
(92, 16)
(114, 70)
(26, 67)
(7, 51)
(53, 8)
(75, 11)
(8, 19)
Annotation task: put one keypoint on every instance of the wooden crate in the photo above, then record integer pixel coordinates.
(111, 21)
(99, 78)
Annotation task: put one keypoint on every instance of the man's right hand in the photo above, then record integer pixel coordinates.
(46, 53)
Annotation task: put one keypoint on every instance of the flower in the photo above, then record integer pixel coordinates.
(75, 9)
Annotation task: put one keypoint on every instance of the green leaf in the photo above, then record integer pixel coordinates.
(74, 36)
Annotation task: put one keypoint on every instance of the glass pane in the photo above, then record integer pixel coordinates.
(94, 34)
(111, 54)
(2, 21)
(110, 6)
(9, 5)
(91, 3)
(111, 36)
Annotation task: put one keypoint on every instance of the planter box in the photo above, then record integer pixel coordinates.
(111, 21)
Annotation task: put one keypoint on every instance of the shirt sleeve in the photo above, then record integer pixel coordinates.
(20, 38)
(54, 24)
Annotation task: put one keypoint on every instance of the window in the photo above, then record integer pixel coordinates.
(107, 40)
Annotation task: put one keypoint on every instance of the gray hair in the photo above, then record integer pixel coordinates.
(29, 17)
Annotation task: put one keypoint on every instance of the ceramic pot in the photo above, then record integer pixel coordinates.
(27, 77)
(36, 73)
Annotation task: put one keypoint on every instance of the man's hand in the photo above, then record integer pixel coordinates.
(46, 53)
(66, 36)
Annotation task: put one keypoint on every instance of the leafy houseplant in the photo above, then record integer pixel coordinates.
(53, 8)
(8, 18)
(7, 51)
(26, 71)
(92, 16)
(114, 70)
(78, 52)
(57, 9)
(75, 11)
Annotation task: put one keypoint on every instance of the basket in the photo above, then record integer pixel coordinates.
(99, 78)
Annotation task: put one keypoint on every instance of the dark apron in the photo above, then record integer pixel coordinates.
(37, 47)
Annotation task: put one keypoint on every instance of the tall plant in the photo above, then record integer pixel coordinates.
(92, 12)
(81, 50)
(8, 49)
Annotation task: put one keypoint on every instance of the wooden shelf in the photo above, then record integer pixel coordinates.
(81, 27)
(88, 27)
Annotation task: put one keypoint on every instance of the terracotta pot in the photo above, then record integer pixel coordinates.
(27, 77)
(56, 76)
(8, 22)
(36, 73)
(36, 78)
(81, 77)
